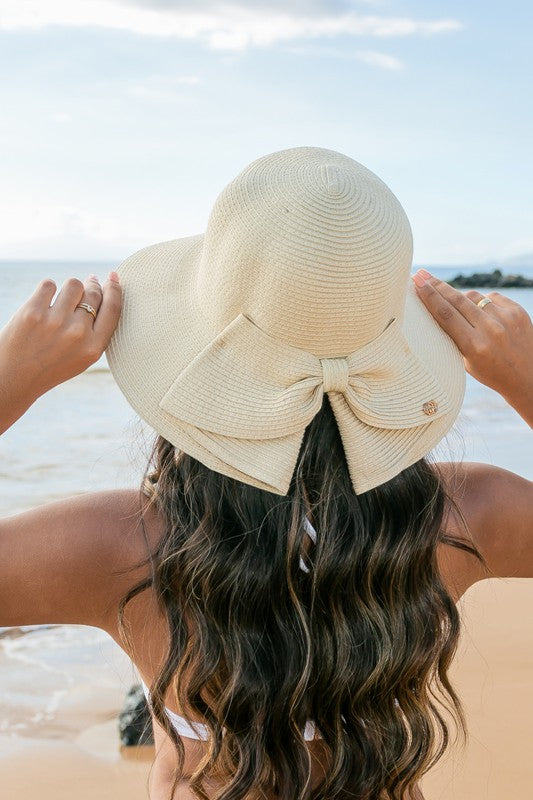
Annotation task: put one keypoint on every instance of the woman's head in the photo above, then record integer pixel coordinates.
(299, 287)
(356, 644)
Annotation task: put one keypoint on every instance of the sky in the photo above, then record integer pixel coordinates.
(122, 120)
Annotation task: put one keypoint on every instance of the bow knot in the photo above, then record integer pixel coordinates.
(335, 374)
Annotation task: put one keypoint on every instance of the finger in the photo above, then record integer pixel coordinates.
(502, 301)
(109, 312)
(43, 295)
(493, 309)
(514, 313)
(70, 295)
(474, 296)
(459, 300)
(497, 298)
(448, 317)
(92, 293)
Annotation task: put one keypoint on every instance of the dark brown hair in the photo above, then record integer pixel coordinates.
(361, 643)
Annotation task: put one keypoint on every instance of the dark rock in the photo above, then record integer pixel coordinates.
(134, 721)
(493, 280)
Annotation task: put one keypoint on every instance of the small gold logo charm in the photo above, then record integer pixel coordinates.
(431, 407)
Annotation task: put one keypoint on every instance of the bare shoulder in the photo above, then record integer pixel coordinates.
(69, 561)
(497, 507)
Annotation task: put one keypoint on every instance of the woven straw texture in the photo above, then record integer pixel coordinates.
(300, 285)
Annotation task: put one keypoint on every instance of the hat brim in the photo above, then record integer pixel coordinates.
(162, 329)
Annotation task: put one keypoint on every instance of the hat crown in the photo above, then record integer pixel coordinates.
(312, 246)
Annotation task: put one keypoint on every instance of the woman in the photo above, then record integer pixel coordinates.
(286, 580)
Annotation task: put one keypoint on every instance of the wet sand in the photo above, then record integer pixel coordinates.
(73, 750)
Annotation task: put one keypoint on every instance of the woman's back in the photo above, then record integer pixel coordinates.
(98, 539)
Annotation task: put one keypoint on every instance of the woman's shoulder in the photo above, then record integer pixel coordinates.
(94, 540)
(497, 507)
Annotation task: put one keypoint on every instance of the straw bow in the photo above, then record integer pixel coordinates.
(247, 384)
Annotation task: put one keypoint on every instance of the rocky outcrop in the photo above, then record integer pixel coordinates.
(134, 722)
(495, 279)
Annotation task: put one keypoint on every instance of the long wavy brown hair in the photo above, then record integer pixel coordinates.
(360, 643)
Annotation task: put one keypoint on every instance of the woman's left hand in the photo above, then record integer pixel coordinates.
(45, 344)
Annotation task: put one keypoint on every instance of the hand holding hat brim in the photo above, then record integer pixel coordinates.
(496, 340)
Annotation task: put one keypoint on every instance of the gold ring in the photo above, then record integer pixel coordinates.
(483, 302)
(92, 311)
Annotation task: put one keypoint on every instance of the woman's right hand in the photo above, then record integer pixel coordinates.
(496, 341)
(46, 343)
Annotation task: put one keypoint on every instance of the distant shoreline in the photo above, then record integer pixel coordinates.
(495, 279)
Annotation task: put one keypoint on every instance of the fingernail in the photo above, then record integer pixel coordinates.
(418, 279)
(113, 276)
(93, 278)
(425, 273)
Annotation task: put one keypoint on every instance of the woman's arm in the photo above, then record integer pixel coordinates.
(497, 506)
(56, 560)
(496, 341)
(497, 346)
(44, 345)
(71, 560)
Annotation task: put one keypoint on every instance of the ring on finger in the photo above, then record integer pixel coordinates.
(92, 311)
(483, 302)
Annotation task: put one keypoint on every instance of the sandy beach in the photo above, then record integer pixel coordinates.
(64, 769)
(493, 674)
(59, 727)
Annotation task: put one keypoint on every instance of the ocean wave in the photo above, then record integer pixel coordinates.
(22, 630)
(96, 369)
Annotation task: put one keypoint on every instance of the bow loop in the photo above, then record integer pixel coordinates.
(390, 387)
(256, 386)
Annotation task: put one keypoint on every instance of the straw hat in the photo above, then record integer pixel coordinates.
(300, 285)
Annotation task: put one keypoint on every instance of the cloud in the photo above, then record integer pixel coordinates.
(226, 26)
(44, 231)
(383, 60)
(372, 57)
(308, 6)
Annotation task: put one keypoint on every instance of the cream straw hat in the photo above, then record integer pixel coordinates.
(300, 285)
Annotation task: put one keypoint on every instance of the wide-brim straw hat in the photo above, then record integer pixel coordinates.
(300, 285)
